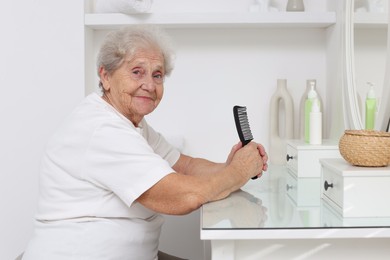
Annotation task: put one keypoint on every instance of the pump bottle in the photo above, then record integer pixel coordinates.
(371, 106)
(315, 123)
(308, 107)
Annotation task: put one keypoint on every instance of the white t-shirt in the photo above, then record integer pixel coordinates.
(95, 167)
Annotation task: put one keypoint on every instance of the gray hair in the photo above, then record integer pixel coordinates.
(125, 42)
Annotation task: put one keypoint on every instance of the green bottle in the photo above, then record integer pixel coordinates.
(370, 107)
(308, 106)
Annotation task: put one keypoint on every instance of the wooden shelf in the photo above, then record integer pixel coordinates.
(214, 20)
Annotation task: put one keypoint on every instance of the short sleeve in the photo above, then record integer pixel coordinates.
(159, 144)
(118, 158)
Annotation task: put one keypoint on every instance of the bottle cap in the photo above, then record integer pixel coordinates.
(312, 93)
(371, 91)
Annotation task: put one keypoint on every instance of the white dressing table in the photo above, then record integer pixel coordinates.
(269, 219)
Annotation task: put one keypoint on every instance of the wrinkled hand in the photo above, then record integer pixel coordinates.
(263, 155)
(235, 148)
(252, 158)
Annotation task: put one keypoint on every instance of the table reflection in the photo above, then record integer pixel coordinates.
(248, 212)
(279, 200)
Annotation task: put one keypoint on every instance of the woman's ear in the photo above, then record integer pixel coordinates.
(104, 78)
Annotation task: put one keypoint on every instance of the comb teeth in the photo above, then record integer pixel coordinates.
(242, 124)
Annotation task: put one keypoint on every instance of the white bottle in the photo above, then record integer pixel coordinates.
(315, 123)
(309, 84)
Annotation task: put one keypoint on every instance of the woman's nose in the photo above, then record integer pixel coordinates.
(148, 83)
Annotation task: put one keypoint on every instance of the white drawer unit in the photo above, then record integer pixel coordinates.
(303, 158)
(304, 192)
(355, 191)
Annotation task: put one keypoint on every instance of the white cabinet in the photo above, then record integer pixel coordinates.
(355, 191)
(303, 159)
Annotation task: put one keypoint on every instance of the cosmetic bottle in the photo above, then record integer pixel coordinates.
(315, 123)
(309, 82)
(371, 106)
(308, 107)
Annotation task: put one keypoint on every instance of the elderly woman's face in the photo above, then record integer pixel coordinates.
(136, 87)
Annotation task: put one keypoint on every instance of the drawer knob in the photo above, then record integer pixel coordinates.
(289, 187)
(328, 185)
(289, 157)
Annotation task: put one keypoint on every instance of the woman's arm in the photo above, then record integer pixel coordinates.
(199, 181)
(198, 166)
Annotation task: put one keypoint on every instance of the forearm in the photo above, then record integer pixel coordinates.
(217, 180)
(201, 167)
(221, 179)
(190, 192)
(222, 184)
(197, 181)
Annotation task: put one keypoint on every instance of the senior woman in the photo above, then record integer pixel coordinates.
(107, 175)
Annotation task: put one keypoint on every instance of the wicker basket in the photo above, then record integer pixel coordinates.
(365, 147)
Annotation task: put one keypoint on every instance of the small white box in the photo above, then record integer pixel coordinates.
(303, 158)
(355, 191)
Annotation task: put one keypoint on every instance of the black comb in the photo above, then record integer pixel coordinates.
(242, 125)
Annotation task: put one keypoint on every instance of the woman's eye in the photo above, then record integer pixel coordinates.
(138, 73)
(158, 78)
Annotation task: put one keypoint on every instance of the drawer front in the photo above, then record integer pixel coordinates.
(332, 186)
(291, 186)
(309, 161)
(303, 191)
(292, 159)
(330, 218)
(306, 162)
(364, 196)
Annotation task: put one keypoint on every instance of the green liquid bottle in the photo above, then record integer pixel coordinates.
(370, 108)
(308, 107)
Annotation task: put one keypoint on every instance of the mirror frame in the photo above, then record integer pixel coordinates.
(383, 118)
(351, 109)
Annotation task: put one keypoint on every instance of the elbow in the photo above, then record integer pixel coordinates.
(191, 203)
(196, 201)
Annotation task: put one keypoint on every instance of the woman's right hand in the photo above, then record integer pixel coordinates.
(248, 161)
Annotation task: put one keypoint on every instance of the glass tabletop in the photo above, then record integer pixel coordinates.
(279, 200)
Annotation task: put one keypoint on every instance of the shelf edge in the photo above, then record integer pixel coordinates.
(213, 20)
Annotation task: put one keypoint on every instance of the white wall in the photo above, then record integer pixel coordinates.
(41, 75)
(217, 69)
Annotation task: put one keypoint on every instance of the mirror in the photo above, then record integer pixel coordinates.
(353, 102)
(383, 122)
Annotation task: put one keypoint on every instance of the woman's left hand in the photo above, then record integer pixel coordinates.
(261, 149)
(263, 155)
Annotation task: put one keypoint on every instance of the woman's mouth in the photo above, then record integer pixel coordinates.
(145, 98)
